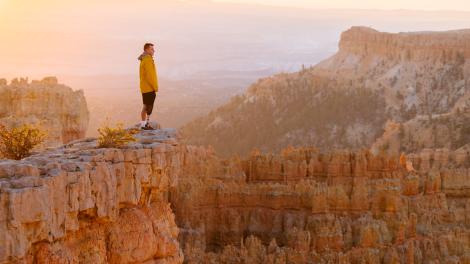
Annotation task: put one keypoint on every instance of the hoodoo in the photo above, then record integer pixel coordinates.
(156, 200)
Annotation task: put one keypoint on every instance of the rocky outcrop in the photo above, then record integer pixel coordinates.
(82, 204)
(453, 167)
(156, 199)
(450, 131)
(304, 206)
(54, 107)
(417, 46)
(419, 79)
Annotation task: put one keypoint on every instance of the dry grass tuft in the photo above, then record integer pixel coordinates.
(115, 137)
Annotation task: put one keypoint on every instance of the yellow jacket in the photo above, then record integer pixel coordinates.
(148, 74)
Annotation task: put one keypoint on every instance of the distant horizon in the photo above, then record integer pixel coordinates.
(50, 37)
(457, 5)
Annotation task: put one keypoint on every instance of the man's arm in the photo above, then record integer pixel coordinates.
(150, 74)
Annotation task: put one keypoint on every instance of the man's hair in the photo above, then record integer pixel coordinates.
(147, 45)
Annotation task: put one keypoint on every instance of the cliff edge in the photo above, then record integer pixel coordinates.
(82, 204)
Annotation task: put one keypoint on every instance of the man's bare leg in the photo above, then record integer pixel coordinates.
(143, 116)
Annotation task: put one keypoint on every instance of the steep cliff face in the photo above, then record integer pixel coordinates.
(302, 206)
(412, 46)
(346, 100)
(56, 108)
(81, 204)
(419, 73)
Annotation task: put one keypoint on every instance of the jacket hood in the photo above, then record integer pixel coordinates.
(142, 56)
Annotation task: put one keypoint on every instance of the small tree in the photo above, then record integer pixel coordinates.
(114, 137)
(18, 142)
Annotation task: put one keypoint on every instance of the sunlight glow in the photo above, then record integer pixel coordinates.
(456, 5)
(104, 36)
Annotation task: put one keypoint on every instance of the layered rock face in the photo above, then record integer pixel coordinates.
(437, 46)
(54, 107)
(453, 166)
(302, 206)
(418, 79)
(418, 72)
(81, 204)
(157, 200)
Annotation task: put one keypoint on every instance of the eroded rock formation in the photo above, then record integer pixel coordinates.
(81, 204)
(56, 108)
(157, 200)
(302, 206)
(418, 79)
(426, 45)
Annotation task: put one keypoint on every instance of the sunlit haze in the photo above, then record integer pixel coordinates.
(51, 37)
(235, 131)
(459, 5)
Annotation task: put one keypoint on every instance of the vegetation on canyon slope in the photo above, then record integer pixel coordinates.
(346, 100)
(297, 109)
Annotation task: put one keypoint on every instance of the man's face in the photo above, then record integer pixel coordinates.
(150, 50)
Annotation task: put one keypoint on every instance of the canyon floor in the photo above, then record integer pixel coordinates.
(160, 201)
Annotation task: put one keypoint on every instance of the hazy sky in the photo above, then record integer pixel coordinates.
(458, 5)
(91, 37)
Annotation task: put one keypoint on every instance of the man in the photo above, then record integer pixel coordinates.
(148, 84)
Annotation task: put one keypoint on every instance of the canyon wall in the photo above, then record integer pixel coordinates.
(156, 200)
(419, 73)
(418, 79)
(54, 107)
(426, 45)
(82, 204)
(304, 206)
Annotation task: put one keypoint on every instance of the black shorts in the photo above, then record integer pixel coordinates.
(148, 98)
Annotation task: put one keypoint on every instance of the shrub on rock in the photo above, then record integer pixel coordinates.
(18, 142)
(114, 137)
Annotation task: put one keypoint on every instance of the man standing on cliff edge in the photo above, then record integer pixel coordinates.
(148, 84)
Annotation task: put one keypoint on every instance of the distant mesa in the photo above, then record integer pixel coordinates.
(417, 80)
(424, 45)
